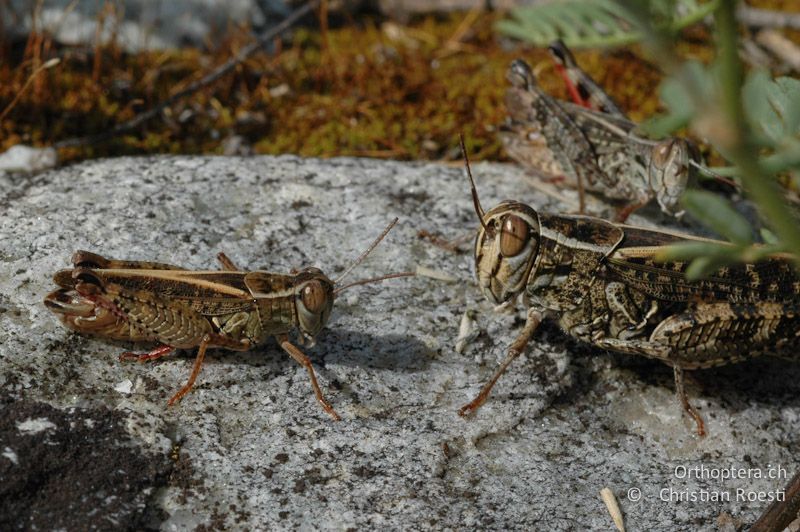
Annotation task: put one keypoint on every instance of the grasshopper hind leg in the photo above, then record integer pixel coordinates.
(87, 259)
(660, 352)
(687, 406)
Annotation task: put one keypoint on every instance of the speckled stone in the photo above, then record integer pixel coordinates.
(251, 448)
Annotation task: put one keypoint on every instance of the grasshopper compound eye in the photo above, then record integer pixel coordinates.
(514, 234)
(314, 297)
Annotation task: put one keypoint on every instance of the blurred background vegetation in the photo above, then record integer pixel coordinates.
(358, 83)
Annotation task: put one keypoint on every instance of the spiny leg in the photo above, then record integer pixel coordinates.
(227, 264)
(691, 410)
(303, 360)
(531, 324)
(198, 363)
(158, 352)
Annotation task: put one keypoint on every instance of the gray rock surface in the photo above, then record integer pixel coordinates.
(133, 24)
(250, 448)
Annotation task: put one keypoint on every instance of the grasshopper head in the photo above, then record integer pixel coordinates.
(505, 250)
(313, 295)
(520, 75)
(506, 245)
(669, 173)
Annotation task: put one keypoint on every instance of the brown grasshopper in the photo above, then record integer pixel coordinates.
(180, 309)
(596, 151)
(602, 283)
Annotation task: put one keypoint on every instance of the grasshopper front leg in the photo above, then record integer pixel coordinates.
(304, 361)
(531, 324)
(198, 363)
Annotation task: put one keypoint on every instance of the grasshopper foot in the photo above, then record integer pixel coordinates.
(470, 408)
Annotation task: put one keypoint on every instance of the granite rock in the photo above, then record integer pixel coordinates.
(134, 24)
(250, 448)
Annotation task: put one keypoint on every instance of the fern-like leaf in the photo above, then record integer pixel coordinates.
(595, 23)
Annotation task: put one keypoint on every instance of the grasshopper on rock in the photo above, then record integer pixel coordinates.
(181, 309)
(602, 284)
(595, 149)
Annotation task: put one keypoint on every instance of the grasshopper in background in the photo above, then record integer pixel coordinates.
(583, 90)
(596, 150)
(180, 309)
(601, 282)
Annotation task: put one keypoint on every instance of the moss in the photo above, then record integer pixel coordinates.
(375, 89)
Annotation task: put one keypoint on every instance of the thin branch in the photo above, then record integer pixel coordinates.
(48, 64)
(780, 46)
(767, 18)
(780, 514)
(207, 80)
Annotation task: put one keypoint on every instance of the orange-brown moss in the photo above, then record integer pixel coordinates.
(379, 90)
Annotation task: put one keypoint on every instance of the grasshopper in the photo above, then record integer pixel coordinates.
(181, 309)
(596, 151)
(583, 90)
(603, 285)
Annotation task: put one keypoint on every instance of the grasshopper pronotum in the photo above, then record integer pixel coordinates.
(180, 309)
(602, 283)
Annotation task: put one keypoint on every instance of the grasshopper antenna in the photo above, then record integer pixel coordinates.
(367, 251)
(714, 175)
(374, 280)
(362, 257)
(475, 201)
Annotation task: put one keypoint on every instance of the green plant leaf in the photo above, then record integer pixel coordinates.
(688, 250)
(784, 97)
(602, 23)
(703, 267)
(680, 106)
(772, 106)
(707, 256)
(768, 236)
(680, 103)
(717, 214)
